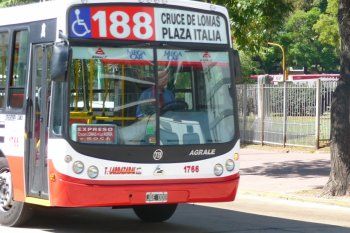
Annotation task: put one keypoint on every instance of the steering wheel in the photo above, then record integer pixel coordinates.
(176, 105)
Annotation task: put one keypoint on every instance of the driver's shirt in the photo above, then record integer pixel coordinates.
(164, 98)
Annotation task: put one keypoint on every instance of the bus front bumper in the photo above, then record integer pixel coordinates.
(68, 193)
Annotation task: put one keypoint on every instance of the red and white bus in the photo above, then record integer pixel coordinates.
(121, 103)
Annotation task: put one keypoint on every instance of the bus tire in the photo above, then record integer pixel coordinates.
(15, 213)
(155, 213)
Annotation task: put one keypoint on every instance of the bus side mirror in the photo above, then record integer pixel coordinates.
(59, 62)
(236, 65)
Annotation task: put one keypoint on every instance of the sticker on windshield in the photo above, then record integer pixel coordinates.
(94, 133)
(191, 58)
(115, 54)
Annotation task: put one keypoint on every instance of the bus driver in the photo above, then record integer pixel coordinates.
(165, 95)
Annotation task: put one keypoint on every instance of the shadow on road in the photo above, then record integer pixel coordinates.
(296, 168)
(187, 219)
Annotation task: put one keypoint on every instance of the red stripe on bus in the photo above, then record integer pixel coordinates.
(16, 165)
(196, 64)
(127, 62)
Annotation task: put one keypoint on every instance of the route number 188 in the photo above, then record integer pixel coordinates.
(124, 25)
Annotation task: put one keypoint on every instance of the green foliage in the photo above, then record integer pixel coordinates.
(254, 22)
(249, 66)
(301, 39)
(327, 25)
(307, 5)
(6, 3)
(305, 46)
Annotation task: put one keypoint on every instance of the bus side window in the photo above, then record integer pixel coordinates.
(4, 46)
(19, 69)
(57, 107)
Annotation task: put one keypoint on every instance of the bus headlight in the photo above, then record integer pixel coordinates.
(218, 169)
(78, 167)
(92, 172)
(230, 165)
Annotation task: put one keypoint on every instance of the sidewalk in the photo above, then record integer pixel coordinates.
(278, 174)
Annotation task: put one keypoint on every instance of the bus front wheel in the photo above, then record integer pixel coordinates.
(155, 213)
(12, 213)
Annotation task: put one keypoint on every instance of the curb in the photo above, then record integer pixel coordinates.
(285, 150)
(333, 201)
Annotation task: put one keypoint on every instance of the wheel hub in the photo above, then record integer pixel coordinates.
(6, 194)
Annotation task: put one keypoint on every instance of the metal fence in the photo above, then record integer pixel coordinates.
(294, 114)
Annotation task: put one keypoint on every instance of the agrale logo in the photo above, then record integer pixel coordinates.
(158, 154)
(203, 152)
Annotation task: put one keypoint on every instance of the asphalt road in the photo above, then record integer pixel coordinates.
(247, 214)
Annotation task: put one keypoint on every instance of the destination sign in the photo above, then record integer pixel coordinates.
(146, 24)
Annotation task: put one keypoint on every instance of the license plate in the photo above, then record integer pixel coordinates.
(156, 197)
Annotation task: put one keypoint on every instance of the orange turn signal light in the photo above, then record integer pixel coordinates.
(52, 177)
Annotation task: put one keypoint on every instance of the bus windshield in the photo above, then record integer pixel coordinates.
(126, 96)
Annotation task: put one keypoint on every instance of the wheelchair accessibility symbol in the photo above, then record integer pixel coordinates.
(79, 26)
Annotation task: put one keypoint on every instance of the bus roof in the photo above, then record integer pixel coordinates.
(58, 8)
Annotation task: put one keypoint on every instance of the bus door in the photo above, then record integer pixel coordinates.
(39, 103)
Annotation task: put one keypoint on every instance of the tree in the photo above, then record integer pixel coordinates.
(307, 5)
(304, 48)
(338, 183)
(249, 66)
(327, 26)
(302, 44)
(255, 22)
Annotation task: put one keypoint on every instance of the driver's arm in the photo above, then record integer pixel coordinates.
(168, 96)
(144, 109)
